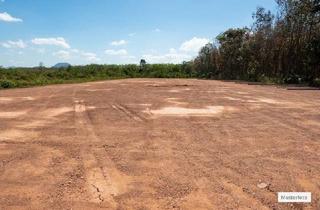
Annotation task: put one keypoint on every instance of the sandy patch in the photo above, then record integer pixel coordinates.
(33, 124)
(28, 98)
(180, 111)
(91, 107)
(242, 93)
(102, 82)
(268, 101)
(9, 115)
(176, 101)
(178, 90)
(97, 90)
(139, 104)
(174, 91)
(9, 99)
(142, 81)
(56, 111)
(148, 83)
(233, 99)
(16, 135)
(5, 99)
(44, 117)
(250, 99)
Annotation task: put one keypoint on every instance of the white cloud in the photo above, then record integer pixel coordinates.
(59, 41)
(171, 57)
(75, 53)
(119, 43)
(8, 18)
(41, 51)
(121, 52)
(92, 57)
(75, 50)
(187, 51)
(62, 54)
(157, 30)
(14, 44)
(172, 50)
(194, 45)
(130, 57)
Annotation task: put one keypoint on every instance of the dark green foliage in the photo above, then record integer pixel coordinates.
(25, 77)
(6, 84)
(316, 82)
(283, 48)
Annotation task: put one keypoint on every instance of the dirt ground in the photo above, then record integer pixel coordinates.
(158, 144)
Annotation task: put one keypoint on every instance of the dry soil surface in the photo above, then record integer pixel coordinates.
(158, 144)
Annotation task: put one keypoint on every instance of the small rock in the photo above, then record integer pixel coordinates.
(263, 185)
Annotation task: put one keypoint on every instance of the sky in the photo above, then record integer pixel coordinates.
(115, 31)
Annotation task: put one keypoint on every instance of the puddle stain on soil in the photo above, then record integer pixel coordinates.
(97, 90)
(178, 90)
(6, 100)
(17, 135)
(9, 115)
(54, 112)
(248, 99)
(176, 101)
(180, 111)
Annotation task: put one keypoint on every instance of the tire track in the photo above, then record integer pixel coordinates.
(129, 113)
(104, 180)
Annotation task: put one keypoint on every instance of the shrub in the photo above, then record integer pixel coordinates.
(316, 82)
(7, 84)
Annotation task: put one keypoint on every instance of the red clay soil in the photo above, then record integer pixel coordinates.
(158, 144)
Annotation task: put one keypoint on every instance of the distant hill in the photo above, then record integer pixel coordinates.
(61, 65)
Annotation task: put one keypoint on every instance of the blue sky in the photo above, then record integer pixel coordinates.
(114, 31)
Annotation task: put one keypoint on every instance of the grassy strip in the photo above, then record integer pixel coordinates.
(28, 77)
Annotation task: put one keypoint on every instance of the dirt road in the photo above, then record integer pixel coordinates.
(158, 144)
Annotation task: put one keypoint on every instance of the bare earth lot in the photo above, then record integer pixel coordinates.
(158, 144)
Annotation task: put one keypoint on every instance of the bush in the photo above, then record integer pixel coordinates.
(293, 79)
(7, 84)
(316, 82)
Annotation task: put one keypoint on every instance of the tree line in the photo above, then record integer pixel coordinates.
(26, 77)
(282, 47)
